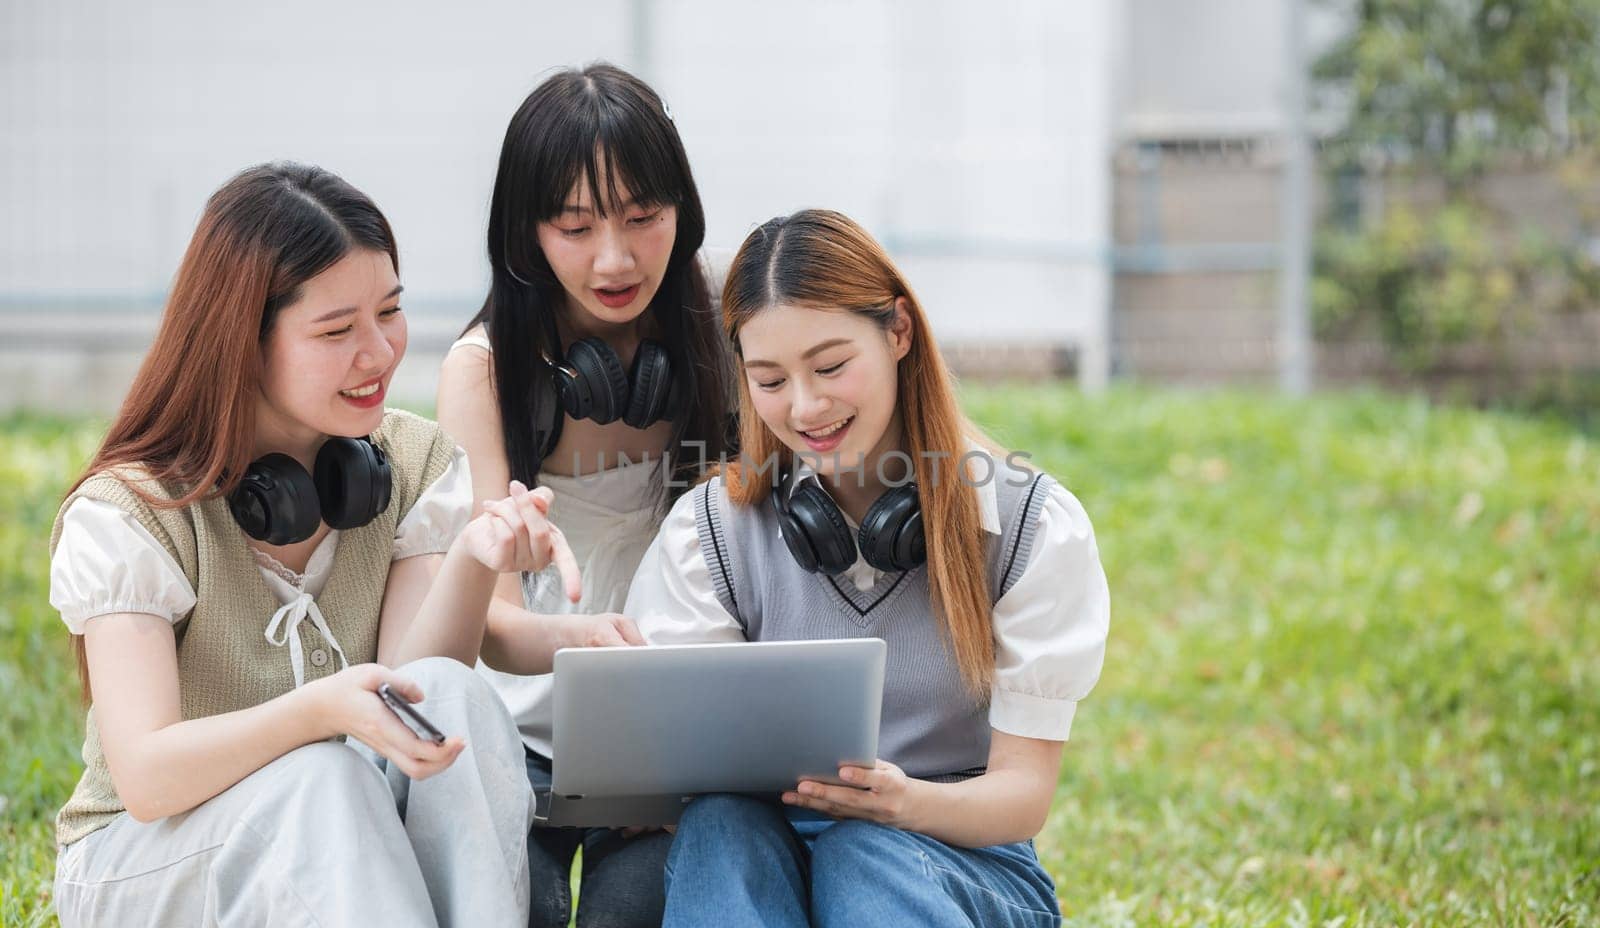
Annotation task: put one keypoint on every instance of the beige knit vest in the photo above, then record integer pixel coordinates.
(225, 662)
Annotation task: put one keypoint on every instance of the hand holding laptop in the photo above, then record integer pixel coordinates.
(639, 732)
(876, 794)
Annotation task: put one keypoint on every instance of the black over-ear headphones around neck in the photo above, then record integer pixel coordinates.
(279, 503)
(591, 384)
(891, 536)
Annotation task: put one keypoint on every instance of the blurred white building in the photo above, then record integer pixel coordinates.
(975, 140)
(1201, 113)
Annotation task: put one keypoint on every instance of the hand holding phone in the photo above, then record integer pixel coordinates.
(341, 704)
(409, 714)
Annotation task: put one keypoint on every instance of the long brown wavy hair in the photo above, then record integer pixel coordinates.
(188, 420)
(821, 259)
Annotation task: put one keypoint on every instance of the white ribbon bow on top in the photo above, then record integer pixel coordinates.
(287, 621)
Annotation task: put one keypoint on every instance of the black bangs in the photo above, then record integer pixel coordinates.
(611, 141)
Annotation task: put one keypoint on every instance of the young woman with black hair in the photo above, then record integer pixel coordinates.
(597, 369)
(864, 504)
(255, 544)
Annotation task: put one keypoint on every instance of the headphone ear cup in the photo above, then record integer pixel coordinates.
(815, 520)
(353, 482)
(573, 390)
(549, 413)
(276, 502)
(891, 536)
(605, 380)
(649, 382)
(794, 536)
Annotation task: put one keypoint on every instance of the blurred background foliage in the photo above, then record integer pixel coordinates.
(1437, 100)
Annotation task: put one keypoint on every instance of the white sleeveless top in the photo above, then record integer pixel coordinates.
(609, 519)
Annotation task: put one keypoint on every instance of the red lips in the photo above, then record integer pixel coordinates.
(616, 299)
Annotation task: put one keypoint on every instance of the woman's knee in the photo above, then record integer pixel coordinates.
(733, 841)
(450, 686)
(327, 776)
(728, 828)
(445, 674)
(725, 816)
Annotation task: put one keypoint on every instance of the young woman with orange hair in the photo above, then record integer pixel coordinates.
(255, 544)
(865, 504)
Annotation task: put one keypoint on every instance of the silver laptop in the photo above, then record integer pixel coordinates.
(641, 731)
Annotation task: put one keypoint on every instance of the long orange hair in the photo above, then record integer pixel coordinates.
(188, 420)
(821, 259)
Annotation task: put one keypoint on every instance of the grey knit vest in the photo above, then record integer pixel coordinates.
(932, 727)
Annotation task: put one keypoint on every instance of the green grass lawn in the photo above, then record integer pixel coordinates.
(1352, 677)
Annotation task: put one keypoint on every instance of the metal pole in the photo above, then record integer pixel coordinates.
(1294, 266)
(639, 40)
(1096, 348)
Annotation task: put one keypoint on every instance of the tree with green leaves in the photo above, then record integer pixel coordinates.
(1446, 92)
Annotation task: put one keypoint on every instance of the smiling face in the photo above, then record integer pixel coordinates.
(825, 382)
(330, 355)
(609, 265)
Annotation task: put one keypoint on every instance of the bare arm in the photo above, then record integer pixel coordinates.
(519, 641)
(409, 580)
(516, 640)
(449, 592)
(1008, 803)
(442, 610)
(162, 765)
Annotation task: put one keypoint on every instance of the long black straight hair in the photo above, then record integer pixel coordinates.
(573, 121)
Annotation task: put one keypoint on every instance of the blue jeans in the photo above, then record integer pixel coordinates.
(743, 861)
(622, 877)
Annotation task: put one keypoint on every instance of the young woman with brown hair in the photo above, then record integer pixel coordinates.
(255, 544)
(865, 504)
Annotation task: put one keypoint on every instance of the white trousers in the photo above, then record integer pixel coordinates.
(330, 834)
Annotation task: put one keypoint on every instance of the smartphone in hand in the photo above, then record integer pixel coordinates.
(408, 714)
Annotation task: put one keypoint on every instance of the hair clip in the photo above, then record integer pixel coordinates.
(667, 112)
